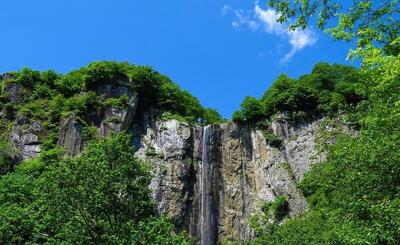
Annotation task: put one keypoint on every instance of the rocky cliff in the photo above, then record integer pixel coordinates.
(210, 180)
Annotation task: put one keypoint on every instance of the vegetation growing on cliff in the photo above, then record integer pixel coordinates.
(328, 90)
(100, 197)
(354, 196)
(48, 96)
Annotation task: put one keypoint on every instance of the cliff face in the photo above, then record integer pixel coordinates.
(209, 180)
(212, 179)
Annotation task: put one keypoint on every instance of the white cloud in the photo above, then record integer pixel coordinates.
(269, 18)
(266, 21)
(226, 9)
(298, 40)
(244, 19)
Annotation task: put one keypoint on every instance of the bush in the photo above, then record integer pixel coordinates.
(81, 103)
(28, 77)
(277, 209)
(251, 110)
(158, 231)
(49, 78)
(238, 116)
(117, 102)
(100, 197)
(8, 154)
(34, 110)
(71, 83)
(211, 116)
(100, 72)
(42, 91)
(329, 89)
(272, 139)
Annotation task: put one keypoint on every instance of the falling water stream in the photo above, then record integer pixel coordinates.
(207, 216)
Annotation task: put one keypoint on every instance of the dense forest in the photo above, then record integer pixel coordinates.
(102, 196)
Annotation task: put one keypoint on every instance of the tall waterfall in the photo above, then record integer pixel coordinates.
(208, 224)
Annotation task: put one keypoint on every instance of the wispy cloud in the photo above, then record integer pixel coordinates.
(225, 10)
(244, 19)
(269, 19)
(265, 20)
(298, 40)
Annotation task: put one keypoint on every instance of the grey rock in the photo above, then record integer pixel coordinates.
(166, 146)
(70, 136)
(14, 91)
(21, 119)
(118, 119)
(213, 188)
(113, 89)
(26, 139)
(7, 75)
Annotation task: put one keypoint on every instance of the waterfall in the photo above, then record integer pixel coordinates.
(207, 215)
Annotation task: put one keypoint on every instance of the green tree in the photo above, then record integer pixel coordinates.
(8, 154)
(287, 94)
(252, 110)
(17, 219)
(99, 197)
(212, 116)
(97, 73)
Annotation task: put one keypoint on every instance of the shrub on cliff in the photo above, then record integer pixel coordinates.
(48, 96)
(328, 90)
(354, 197)
(100, 197)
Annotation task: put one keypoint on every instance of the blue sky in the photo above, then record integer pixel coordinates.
(220, 51)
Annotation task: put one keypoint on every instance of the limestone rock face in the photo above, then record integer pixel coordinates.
(112, 119)
(26, 139)
(114, 89)
(116, 119)
(167, 146)
(71, 136)
(209, 180)
(300, 149)
(212, 184)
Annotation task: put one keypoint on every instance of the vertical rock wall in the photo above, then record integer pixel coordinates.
(212, 180)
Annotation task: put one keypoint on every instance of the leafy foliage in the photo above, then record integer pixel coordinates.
(100, 197)
(252, 110)
(354, 196)
(8, 153)
(48, 96)
(328, 90)
(212, 116)
(267, 223)
(369, 22)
